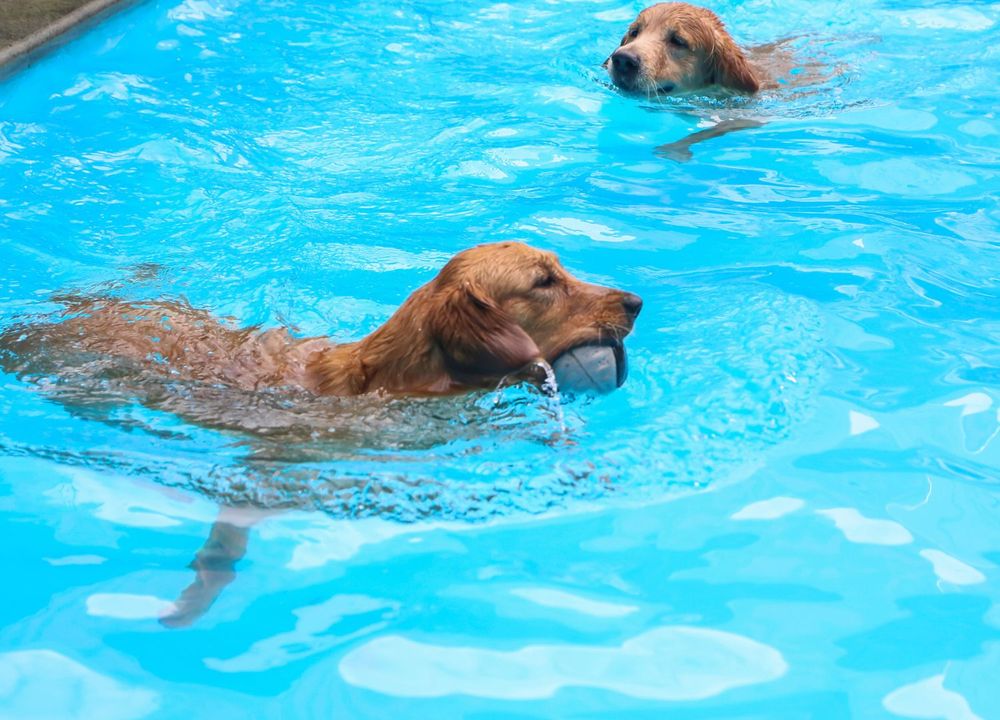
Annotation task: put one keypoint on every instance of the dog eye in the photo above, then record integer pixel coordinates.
(631, 35)
(678, 41)
(545, 281)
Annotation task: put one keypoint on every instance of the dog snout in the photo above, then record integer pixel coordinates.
(632, 304)
(625, 64)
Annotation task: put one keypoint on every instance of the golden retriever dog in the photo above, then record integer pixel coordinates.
(493, 312)
(675, 48)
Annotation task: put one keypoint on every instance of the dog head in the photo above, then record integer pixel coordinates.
(676, 48)
(493, 311)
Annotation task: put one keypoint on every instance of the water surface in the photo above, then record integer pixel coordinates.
(789, 510)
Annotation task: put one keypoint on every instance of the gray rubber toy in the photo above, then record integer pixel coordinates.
(590, 368)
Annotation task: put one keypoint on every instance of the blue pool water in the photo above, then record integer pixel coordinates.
(788, 511)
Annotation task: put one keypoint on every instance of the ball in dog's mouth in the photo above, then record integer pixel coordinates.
(591, 368)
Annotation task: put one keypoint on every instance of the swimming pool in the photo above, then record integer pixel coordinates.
(790, 508)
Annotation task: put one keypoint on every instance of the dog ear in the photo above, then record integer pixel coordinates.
(732, 69)
(478, 337)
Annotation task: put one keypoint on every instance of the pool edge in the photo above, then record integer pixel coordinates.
(29, 49)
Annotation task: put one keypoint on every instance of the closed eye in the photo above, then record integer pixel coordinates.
(545, 281)
(677, 41)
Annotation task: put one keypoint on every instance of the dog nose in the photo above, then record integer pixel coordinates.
(625, 64)
(632, 304)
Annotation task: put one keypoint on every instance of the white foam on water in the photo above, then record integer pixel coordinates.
(125, 606)
(928, 699)
(857, 528)
(76, 560)
(861, 423)
(966, 18)
(952, 570)
(196, 10)
(46, 684)
(597, 232)
(972, 403)
(549, 597)
(769, 509)
(665, 663)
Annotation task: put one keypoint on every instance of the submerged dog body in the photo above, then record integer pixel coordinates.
(493, 311)
(676, 47)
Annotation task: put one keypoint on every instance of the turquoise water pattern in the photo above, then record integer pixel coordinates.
(790, 508)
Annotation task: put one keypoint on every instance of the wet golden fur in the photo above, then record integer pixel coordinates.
(676, 47)
(492, 311)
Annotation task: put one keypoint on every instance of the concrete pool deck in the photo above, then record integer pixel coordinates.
(30, 27)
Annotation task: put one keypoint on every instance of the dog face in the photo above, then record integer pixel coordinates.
(494, 310)
(508, 304)
(676, 48)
